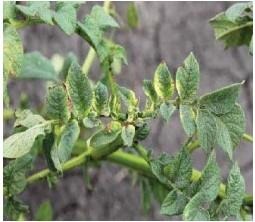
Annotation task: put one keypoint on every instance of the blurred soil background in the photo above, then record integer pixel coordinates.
(168, 31)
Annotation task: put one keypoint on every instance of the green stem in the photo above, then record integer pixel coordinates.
(124, 159)
(247, 137)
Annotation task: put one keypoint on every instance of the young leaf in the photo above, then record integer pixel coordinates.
(128, 97)
(206, 129)
(187, 78)
(36, 66)
(67, 140)
(166, 110)
(127, 134)
(163, 82)
(19, 144)
(101, 98)
(187, 117)
(40, 9)
(230, 129)
(80, 91)
(132, 15)
(235, 190)
(149, 90)
(44, 212)
(27, 119)
(193, 210)
(57, 104)
(13, 51)
(65, 17)
(222, 100)
(173, 204)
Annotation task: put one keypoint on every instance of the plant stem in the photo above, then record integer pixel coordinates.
(247, 137)
(92, 53)
(124, 159)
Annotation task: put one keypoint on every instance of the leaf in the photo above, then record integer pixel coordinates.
(127, 134)
(36, 66)
(44, 212)
(101, 99)
(163, 82)
(132, 15)
(187, 78)
(94, 24)
(142, 132)
(210, 179)
(70, 58)
(166, 110)
(14, 174)
(80, 91)
(222, 100)
(173, 204)
(146, 195)
(187, 117)
(65, 17)
(231, 33)
(206, 129)
(57, 104)
(179, 169)
(127, 96)
(67, 140)
(159, 190)
(40, 9)
(13, 51)
(149, 90)
(91, 121)
(9, 10)
(235, 191)
(193, 211)
(236, 11)
(48, 145)
(230, 129)
(27, 119)
(19, 144)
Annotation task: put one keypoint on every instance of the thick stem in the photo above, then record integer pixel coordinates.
(128, 160)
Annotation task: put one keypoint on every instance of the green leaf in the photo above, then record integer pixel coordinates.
(157, 166)
(222, 100)
(236, 11)
(36, 66)
(159, 190)
(14, 174)
(48, 145)
(146, 195)
(230, 129)
(231, 33)
(57, 104)
(127, 134)
(65, 17)
(91, 121)
(132, 15)
(94, 24)
(142, 132)
(70, 58)
(67, 140)
(149, 90)
(44, 212)
(163, 82)
(173, 204)
(128, 97)
(166, 110)
(101, 99)
(187, 78)
(13, 51)
(187, 117)
(210, 179)
(80, 91)
(235, 190)
(27, 119)
(40, 9)
(21, 143)
(9, 10)
(194, 212)
(206, 129)
(179, 169)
